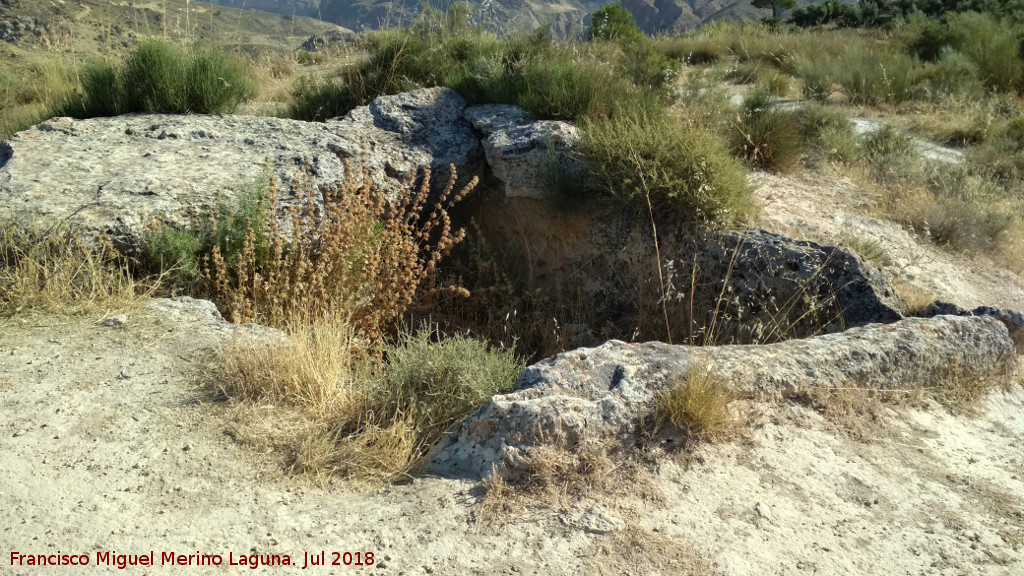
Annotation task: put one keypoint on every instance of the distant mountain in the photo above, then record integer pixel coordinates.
(653, 16)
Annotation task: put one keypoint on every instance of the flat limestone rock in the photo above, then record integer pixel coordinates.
(114, 175)
(593, 396)
(527, 154)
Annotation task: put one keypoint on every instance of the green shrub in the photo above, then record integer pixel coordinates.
(684, 169)
(153, 78)
(873, 79)
(816, 77)
(215, 83)
(175, 253)
(933, 37)
(994, 47)
(102, 93)
(743, 73)
(648, 68)
(307, 58)
(317, 100)
(159, 78)
(555, 82)
(889, 142)
(954, 73)
(774, 83)
(440, 379)
(694, 50)
(765, 136)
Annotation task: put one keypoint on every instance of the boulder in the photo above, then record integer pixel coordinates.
(529, 156)
(593, 396)
(1012, 319)
(326, 40)
(791, 285)
(114, 175)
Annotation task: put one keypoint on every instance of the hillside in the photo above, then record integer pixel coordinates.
(91, 27)
(653, 16)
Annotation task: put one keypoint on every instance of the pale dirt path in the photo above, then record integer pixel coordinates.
(105, 445)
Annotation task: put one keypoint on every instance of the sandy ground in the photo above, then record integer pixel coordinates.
(107, 444)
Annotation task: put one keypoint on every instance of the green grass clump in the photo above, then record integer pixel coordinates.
(767, 137)
(552, 81)
(991, 45)
(684, 169)
(828, 132)
(889, 142)
(441, 379)
(695, 50)
(874, 79)
(157, 77)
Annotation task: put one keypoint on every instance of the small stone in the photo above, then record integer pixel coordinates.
(115, 321)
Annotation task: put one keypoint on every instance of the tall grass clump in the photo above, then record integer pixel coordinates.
(876, 78)
(157, 77)
(767, 137)
(829, 132)
(993, 46)
(550, 80)
(684, 169)
(443, 378)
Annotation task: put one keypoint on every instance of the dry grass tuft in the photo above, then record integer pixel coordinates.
(636, 550)
(915, 299)
(551, 478)
(335, 409)
(311, 368)
(698, 405)
(54, 269)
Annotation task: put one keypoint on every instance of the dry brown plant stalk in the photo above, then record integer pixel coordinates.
(354, 255)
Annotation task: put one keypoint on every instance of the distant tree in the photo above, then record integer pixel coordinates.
(777, 6)
(613, 22)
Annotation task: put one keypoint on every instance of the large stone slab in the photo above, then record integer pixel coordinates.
(592, 396)
(529, 156)
(113, 175)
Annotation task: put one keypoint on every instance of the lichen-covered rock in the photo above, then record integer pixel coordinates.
(529, 156)
(326, 40)
(407, 131)
(114, 175)
(767, 275)
(591, 396)
(1012, 319)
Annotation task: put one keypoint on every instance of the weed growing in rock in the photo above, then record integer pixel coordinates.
(867, 248)
(697, 405)
(352, 256)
